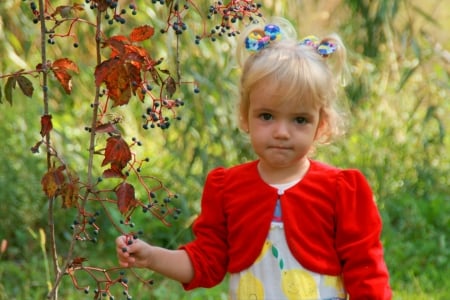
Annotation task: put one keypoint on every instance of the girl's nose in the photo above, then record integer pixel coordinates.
(281, 130)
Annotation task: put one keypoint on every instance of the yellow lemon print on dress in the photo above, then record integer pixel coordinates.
(336, 283)
(250, 288)
(298, 285)
(264, 250)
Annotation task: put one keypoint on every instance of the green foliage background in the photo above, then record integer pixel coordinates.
(398, 96)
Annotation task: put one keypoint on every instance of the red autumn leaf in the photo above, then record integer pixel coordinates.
(117, 152)
(122, 73)
(66, 64)
(125, 197)
(117, 45)
(120, 79)
(70, 194)
(142, 33)
(102, 70)
(60, 68)
(65, 79)
(52, 181)
(78, 261)
(25, 85)
(135, 55)
(46, 124)
(134, 78)
(114, 171)
(114, 74)
(70, 191)
(119, 85)
(139, 57)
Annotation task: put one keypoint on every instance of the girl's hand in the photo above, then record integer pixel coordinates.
(133, 252)
(136, 253)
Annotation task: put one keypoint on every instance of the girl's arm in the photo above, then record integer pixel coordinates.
(200, 263)
(174, 264)
(358, 239)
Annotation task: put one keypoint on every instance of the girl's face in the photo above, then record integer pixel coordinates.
(281, 132)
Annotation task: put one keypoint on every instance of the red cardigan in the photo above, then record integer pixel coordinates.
(331, 223)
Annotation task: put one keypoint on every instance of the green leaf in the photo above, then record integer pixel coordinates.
(10, 85)
(25, 85)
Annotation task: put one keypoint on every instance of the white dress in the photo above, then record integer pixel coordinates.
(277, 275)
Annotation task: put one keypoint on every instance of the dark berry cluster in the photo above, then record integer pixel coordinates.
(132, 6)
(81, 227)
(231, 13)
(175, 20)
(117, 14)
(112, 13)
(162, 207)
(102, 4)
(35, 11)
(178, 26)
(154, 115)
(51, 39)
(52, 36)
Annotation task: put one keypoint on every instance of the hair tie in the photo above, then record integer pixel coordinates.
(260, 39)
(323, 48)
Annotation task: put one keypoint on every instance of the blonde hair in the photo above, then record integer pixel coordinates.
(301, 75)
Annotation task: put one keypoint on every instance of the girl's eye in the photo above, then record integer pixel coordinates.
(265, 116)
(301, 120)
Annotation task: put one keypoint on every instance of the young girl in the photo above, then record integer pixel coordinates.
(284, 226)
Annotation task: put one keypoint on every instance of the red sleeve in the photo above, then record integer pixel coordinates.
(209, 252)
(358, 230)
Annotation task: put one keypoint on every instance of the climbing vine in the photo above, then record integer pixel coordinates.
(124, 71)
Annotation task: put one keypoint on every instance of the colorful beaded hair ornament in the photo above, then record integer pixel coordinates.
(260, 39)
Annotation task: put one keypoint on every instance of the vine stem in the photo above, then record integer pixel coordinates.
(95, 105)
(51, 201)
(53, 294)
